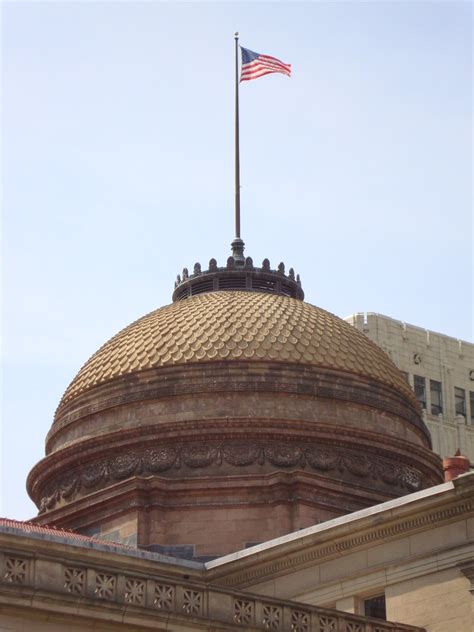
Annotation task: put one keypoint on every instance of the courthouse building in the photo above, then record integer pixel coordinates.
(243, 460)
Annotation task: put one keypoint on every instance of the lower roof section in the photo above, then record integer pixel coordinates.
(58, 575)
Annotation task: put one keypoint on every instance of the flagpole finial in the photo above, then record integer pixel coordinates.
(238, 247)
(236, 35)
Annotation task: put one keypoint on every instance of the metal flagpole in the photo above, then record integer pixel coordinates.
(237, 148)
(237, 244)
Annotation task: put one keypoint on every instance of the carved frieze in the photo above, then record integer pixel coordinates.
(159, 459)
(94, 474)
(332, 460)
(124, 465)
(360, 465)
(241, 453)
(283, 455)
(199, 455)
(321, 459)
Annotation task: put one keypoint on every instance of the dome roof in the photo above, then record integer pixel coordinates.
(245, 326)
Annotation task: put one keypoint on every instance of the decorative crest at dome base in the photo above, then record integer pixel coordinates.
(239, 274)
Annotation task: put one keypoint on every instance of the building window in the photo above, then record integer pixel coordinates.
(471, 401)
(460, 401)
(420, 389)
(375, 607)
(436, 398)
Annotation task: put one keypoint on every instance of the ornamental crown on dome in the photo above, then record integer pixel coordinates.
(239, 273)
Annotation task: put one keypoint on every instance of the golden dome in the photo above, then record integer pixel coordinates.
(245, 326)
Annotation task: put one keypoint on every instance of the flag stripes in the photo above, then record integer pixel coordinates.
(255, 65)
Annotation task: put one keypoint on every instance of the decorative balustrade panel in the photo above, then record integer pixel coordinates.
(188, 599)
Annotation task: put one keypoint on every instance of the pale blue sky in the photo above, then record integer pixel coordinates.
(117, 156)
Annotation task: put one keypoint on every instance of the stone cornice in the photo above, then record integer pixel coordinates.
(289, 554)
(140, 493)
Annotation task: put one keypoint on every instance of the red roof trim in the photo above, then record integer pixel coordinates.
(28, 527)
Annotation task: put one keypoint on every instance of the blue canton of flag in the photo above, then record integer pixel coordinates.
(255, 65)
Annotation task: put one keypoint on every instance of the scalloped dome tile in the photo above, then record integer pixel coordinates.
(235, 326)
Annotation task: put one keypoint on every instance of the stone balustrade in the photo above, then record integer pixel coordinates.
(36, 580)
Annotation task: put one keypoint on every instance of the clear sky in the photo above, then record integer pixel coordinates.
(117, 171)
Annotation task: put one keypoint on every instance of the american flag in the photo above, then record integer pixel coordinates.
(255, 65)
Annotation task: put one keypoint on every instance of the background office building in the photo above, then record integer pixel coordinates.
(441, 371)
